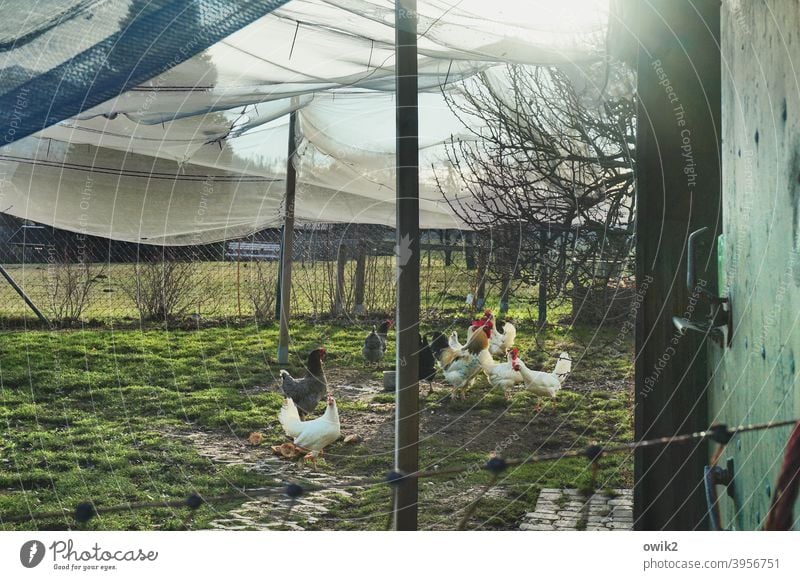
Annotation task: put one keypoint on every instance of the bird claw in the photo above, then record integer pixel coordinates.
(310, 457)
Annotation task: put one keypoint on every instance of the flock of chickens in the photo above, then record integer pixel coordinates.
(461, 364)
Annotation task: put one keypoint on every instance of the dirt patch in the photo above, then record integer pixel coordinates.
(452, 424)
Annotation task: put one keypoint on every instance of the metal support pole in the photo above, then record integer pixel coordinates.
(278, 282)
(407, 255)
(239, 278)
(287, 244)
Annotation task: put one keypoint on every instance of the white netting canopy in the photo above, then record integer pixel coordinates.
(198, 153)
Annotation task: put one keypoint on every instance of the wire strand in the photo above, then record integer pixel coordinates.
(721, 434)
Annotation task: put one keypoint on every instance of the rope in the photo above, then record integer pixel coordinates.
(721, 434)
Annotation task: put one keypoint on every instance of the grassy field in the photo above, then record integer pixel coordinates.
(114, 416)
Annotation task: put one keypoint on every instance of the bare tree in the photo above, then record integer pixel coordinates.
(547, 176)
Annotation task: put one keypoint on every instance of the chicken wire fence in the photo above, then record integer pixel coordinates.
(338, 270)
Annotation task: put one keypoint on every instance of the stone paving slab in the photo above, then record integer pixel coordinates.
(569, 509)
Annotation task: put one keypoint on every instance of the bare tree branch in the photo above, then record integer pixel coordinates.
(544, 157)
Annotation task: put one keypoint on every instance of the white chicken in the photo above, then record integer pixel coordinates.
(289, 418)
(502, 375)
(545, 384)
(312, 436)
(502, 338)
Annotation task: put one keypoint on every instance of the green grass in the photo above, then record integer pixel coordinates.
(97, 414)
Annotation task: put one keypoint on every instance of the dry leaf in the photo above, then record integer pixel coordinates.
(352, 439)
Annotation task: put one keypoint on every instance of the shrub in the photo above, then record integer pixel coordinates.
(163, 290)
(68, 287)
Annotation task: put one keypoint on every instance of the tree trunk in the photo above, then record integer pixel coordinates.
(448, 253)
(469, 251)
(543, 278)
(341, 263)
(481, 263)
(361, 276)
(505, 284)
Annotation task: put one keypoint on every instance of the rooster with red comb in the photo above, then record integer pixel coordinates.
(503, 336)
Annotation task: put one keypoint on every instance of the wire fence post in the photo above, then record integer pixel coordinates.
(238, 278)
(407, 256)
(24, 296)
(287, 246)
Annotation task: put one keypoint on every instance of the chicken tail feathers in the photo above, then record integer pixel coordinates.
(563, 367)
(510, 333)
(452, 342)
(285, 376)
(289, 418)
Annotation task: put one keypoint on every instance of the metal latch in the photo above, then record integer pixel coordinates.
(719, 319)
(712, 477)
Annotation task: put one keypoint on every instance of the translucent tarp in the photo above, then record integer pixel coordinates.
(198, 153)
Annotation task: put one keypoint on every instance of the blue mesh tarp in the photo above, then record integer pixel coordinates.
(61, 57)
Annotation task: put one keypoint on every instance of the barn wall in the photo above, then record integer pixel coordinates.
(756, 378)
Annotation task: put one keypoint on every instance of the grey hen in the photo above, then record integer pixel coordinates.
(375, 344)
(310, 390)
(383, 331)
